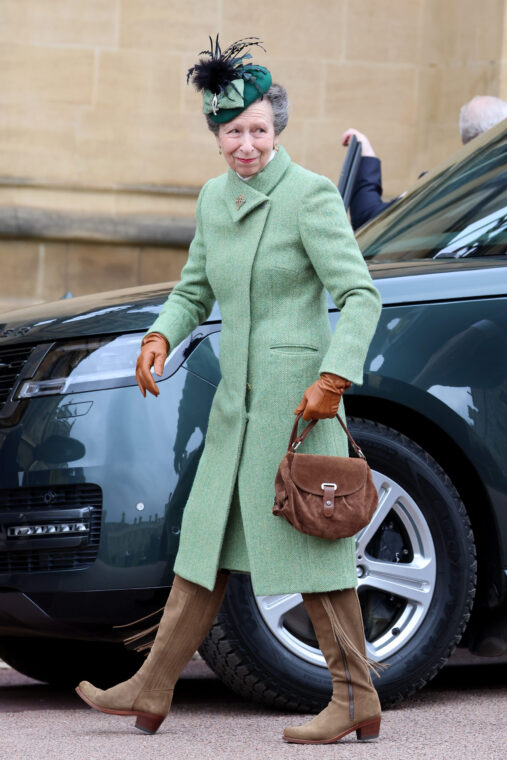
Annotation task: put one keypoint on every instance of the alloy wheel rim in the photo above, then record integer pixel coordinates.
(410, 583)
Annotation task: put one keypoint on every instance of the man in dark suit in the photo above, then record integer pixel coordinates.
(476, 116)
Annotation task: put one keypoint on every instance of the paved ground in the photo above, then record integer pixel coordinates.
(462, 715)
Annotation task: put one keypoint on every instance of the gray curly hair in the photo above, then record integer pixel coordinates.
(479, 114)
(277, 96)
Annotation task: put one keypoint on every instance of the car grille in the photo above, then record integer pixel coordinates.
(53, 498)
(12, 361)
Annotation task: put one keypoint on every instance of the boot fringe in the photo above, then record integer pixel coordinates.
(140, 620)
(376, 667)
(135, 641)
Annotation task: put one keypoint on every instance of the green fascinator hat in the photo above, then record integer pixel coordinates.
(228, 84)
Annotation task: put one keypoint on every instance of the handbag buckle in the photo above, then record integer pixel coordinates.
(329, 485)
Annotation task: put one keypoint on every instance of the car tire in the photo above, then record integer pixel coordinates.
(66, 662)
(421, 530)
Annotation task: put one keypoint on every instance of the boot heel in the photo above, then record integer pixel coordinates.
(368, 731)
(149, 723)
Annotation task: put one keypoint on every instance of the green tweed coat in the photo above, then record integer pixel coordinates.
(267, 250)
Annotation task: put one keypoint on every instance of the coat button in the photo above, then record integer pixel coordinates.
(248, 387)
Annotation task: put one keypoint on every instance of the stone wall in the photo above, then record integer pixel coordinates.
(96, 118)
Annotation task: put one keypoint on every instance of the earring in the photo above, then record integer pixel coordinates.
(219, 151)
(276, 147)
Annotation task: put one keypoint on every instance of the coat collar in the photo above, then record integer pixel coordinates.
(242, 197)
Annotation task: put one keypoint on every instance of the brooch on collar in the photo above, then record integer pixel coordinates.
(240, 200)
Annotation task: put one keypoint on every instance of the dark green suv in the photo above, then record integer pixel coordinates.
(94, 478)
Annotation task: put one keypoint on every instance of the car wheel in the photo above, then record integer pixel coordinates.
(416, 571)
(66, 662)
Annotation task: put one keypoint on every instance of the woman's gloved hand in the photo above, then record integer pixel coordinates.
(322, 398)
(154, 350)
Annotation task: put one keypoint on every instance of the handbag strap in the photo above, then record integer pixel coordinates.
(296, 440)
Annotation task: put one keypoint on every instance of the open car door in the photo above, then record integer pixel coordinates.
(349, 171)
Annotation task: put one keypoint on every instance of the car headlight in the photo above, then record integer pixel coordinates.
(87, 364)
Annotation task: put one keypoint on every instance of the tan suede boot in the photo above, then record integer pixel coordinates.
(354, 706)
(188, 615)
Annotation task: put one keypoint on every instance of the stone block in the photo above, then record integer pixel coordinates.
(294, 29)
(293, 140)
(62, 199)
(461, 31)
(161, 264)
(179, 151)
(483, 78)
(481, 30)
(383, 32)
(33, 74)
(323, 152)
(95, 268)
(38, 141)
(63, 22)
(358, 92)
(442, 92)
(21, 267)
(137, 132)
(439, 31)
(159, 204)
(168, 25)
(139, 85)
(52, 282)
(304, 82)
(397, 147)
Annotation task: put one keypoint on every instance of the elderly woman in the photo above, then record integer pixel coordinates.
(271, 238)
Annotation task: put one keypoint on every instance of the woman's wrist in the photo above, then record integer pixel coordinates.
(334, 383)
(154, 335)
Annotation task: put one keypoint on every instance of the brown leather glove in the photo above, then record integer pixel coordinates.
(154, 350)
(322, 398)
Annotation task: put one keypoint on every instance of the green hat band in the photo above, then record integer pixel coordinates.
(229, 104)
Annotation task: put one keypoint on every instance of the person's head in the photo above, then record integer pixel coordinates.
(245, 111)
(248, 140)
(479, 114)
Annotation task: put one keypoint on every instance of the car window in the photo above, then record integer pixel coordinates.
(460, 213)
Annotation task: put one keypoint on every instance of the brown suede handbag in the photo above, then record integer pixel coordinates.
(324, 496)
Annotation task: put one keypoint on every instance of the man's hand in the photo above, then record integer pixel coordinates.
(322, 398)
(154, 350)
(366, 149)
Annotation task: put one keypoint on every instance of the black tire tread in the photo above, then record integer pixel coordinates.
(236, 668)
(360, 423)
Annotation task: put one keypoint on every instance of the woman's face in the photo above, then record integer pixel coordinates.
(248, 140)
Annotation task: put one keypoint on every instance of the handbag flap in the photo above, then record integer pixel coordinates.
(309, 471)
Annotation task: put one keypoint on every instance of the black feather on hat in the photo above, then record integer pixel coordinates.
(221, 69)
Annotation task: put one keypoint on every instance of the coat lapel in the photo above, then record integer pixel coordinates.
(243, 197)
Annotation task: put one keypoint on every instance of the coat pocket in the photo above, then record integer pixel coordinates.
(300, 348)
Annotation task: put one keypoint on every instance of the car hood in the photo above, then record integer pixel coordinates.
(135, 309)
(113, 311)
